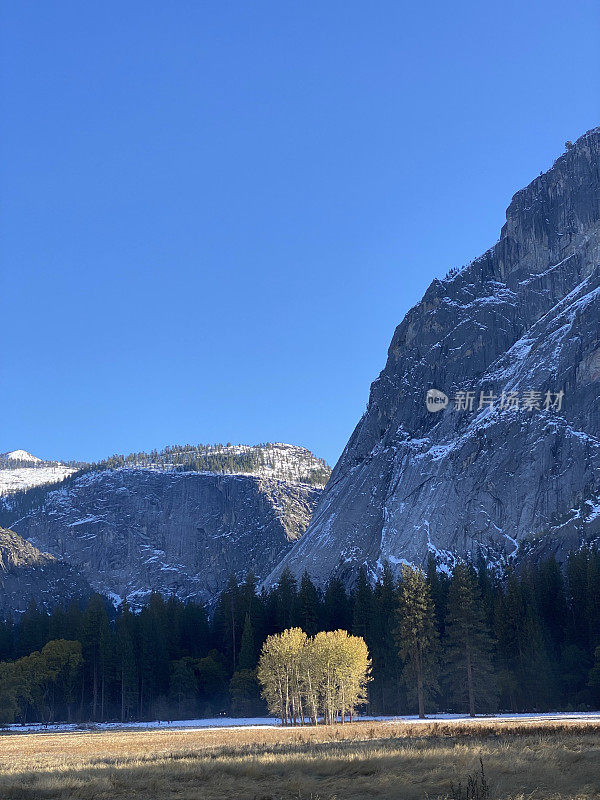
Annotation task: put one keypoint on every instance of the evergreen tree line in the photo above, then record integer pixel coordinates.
(217, 458)
(195, 458)
(17, 463)
(472, 642)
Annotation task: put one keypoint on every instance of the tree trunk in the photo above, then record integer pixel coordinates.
(95, 691)
(420, 692)
(470, 683)
(122, 695)
(82, 694)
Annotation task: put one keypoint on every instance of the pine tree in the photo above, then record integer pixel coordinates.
(524, 677)
(73, 621)
(387, 687)
(225, 623)
(468, 645)
(438, 586)
(362, 616)
(487, 588)
(108, 665)
(182, 684)
(174, 615)
(94, 637)
(248, 657)
(577, 593)
(286, 594)
(337, 611)
(594, 677)
(32, 632)
(309, 606)
(154, 657)
(417, 636)
(546, 619)
(7, 643)
(549, 589)
(593, 599)
(244, 690)
(57, 624)
(126, 665)
(194, 631)
(250, 602)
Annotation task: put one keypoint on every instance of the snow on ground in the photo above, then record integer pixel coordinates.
(15, 480)
(270, 722)
(278, 460)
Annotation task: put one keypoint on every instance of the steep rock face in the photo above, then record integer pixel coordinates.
(26, 573)
(523, 317)
(131, 530)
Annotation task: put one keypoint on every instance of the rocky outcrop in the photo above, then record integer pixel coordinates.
(132, 530)
(26, 574)
(525, 317)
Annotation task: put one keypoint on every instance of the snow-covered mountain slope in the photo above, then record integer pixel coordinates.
(20, 470)
(133, 529)
(286, 462)
(517, 473)
(20, 478)
(280, 461)
(21, 455)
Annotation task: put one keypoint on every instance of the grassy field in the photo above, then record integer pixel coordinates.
(402, 761)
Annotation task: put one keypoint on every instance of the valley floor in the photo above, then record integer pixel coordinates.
(271, 722)
(551, 758)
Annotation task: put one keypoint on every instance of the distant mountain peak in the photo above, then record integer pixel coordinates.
(21, 455)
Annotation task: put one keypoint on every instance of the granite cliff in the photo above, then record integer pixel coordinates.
(511, 465)
(162, 526)
(27, 574)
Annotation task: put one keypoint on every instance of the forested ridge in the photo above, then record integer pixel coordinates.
(197, 458)
(475, 641)
(223, 459)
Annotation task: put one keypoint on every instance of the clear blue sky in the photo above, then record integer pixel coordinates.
(214, 214)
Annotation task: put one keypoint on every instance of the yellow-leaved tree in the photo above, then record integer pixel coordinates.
(325, 675)
(279, 673)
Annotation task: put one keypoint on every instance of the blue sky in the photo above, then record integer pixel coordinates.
(214, 214)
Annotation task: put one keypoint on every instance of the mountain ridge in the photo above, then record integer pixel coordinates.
(521, 317)
(132, 528)
(20, 455)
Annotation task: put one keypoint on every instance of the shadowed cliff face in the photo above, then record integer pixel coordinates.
(26, 574)
(523, 317)
(130, 531)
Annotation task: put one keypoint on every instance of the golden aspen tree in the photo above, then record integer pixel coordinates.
(279, 672)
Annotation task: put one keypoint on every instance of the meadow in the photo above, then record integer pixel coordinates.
(522, 760)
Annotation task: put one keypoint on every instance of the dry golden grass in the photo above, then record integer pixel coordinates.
(523, 761)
